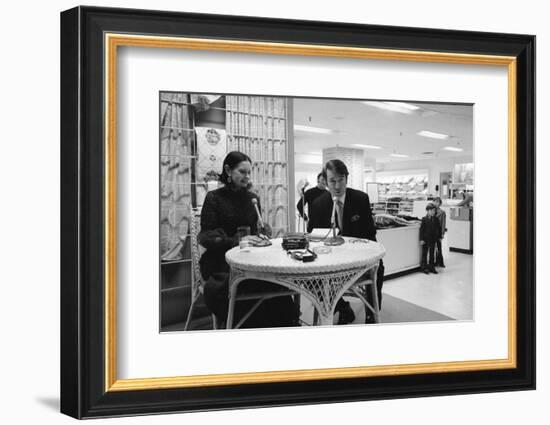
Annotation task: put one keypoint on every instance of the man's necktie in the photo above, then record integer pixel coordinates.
(340, 215)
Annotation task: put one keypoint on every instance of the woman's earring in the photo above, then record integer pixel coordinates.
(229, 179)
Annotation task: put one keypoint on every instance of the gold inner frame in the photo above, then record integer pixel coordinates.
(113, 41)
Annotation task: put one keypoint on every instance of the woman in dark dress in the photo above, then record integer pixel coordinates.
(224, 210)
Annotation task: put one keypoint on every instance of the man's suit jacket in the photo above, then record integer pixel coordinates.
(357, 220)
(308, 198)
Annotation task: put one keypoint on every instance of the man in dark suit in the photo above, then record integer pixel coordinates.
(353, 218)
(311, 194)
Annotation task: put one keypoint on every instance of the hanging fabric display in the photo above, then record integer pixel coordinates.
(211, 150)
(176, 138)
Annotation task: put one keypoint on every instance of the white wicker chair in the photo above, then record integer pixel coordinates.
(197, 284)
(359, 290)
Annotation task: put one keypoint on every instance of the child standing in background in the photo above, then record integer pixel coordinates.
(442, 219)
(430, 233)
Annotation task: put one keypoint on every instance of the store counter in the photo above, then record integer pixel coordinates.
(403, 249)
(460, 229)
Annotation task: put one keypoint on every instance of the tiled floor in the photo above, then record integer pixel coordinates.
(450, 292)
(418, 297)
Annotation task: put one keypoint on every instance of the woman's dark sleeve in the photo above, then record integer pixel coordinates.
(212, 236)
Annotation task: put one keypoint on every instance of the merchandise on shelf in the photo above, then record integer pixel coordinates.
(396, 193)
(384, 221)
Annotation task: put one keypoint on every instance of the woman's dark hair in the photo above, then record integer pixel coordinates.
(232, 159)
(337, 167)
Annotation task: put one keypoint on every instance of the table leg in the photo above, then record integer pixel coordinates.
(374, 289)
(326, 320)
(233, 283)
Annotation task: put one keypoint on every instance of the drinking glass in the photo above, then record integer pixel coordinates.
(243, 231)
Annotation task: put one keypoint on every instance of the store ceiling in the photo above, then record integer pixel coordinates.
(353, 122)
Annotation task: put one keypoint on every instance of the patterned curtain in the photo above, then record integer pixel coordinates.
(256, 125)
(176, 141)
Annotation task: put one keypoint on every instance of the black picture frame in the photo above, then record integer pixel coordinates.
(83, 393)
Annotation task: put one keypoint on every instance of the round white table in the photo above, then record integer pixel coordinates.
(323, 281)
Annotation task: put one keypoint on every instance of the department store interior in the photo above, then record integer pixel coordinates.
(407, 156)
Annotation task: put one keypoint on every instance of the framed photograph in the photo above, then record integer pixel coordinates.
(261, 212)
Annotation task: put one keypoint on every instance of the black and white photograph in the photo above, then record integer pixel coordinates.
(300, 211)
(265, 210)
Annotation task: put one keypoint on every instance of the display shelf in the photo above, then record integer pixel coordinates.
(242, 136)
(253, 114)
(191, 130)
(456, 188)
(178, 192)
(407, 185)
(174, 288)
(175, 275)
(393, 207)
(168, 262)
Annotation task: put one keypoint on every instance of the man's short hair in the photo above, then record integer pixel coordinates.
(430, 206)
(321, 174)
(337, 167)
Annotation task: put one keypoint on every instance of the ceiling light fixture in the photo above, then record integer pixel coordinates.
(433, 135)
(404, 108)
(452, 149)
(360, 145)
(399, 155)
(308, 129)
